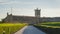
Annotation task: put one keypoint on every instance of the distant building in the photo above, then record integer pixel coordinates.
(30, 19)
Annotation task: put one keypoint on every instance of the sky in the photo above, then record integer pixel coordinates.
(49, 8)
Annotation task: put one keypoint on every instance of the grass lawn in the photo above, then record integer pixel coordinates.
(10, 28)
(50, 24)
(49, 27)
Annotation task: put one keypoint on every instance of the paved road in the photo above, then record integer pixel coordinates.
(29, 30)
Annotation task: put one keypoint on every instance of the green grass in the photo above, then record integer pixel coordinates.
(49, 27)
(10, 28)
(50, 24)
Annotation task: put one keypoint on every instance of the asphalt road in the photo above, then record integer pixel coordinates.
(30, 30)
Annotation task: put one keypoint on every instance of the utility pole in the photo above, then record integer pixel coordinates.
(11, 10)
(11, 18)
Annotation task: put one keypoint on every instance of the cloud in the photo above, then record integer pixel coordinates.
(4, 0)
(18, 2)
(51, 12)
(26, 7)
(23, 11)
(36, 3)
(45, 12)
(48, 12)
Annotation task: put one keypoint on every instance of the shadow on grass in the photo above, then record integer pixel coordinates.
(49, 30)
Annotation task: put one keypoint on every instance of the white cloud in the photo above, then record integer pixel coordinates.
(23, 11)
(4, 0)
(53, 12)
(50, 12)
(19, 2)
(18, 11)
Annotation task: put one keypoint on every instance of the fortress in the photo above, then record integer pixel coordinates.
(30, 19)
